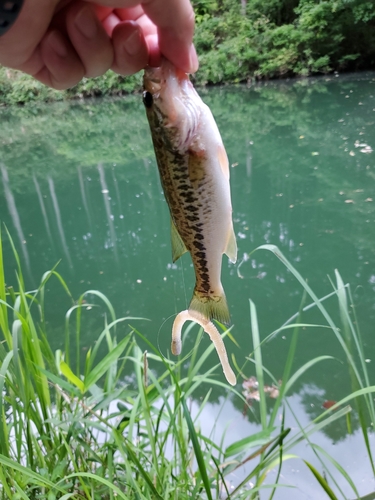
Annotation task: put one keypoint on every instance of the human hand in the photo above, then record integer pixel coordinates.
(60, 41)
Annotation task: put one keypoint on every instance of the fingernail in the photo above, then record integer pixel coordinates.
(86, 22)
(133, 43)
(194, 63)
(57, 43)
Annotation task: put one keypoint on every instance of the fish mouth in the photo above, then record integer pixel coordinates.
(153, 79)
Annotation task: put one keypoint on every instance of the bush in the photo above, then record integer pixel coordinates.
(239, 40)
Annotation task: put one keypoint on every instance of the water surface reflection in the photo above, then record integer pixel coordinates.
(79, 184)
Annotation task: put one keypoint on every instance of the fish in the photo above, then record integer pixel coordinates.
(194, 172)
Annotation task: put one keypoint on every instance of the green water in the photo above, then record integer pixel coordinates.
(79, 183)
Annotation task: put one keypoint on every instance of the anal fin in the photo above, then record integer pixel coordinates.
(178, 246)
(231, 248)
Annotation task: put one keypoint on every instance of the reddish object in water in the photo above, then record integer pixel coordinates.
(328, 404)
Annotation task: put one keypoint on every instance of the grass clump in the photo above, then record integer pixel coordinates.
(117, 423)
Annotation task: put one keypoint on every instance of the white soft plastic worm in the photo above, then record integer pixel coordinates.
(213, 333)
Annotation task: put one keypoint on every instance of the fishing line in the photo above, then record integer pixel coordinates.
(190, 353)
(183, 283)
(158, 334)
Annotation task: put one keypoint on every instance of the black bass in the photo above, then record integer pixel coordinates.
(194, 172)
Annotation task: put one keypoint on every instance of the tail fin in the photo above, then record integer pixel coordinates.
(211, 306)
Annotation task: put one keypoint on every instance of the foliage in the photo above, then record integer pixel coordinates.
(242, 41)
(18, 88)
(90, 430)
(281, 38)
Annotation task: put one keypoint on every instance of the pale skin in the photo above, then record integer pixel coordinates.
(59, 42)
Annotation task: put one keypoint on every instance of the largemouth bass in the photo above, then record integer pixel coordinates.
(194, 172)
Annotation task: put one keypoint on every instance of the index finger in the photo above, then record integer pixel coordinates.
(174, 20)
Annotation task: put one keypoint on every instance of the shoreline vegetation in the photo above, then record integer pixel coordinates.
(244, 41)
(117, 424)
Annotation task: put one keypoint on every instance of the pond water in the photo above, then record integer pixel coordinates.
(79, 185)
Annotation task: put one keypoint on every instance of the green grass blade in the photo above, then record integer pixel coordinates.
(275, 250)
(258, 364)
(323, 483)
(293, 379)
(71, 389)
(104, 365)
(20, 492)
(134, 459)
(288, 368)
(34, 476)
(257, 439)
(342, 471)
(98, 479)
(3, 307)
(4, 437)
(197, 450)
(73, 379)
(104, 299)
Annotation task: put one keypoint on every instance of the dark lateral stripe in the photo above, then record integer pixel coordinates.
(191, 208)
(199, 245)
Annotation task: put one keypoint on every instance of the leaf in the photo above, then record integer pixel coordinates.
(59, 381)
(322, 481)
(258, 439)
(99, 479)
(34, 476)
(67, 372)
(4, 437)
(338, 466)
(302, 370)
(103, 366)
(197, 449)
(258, 363)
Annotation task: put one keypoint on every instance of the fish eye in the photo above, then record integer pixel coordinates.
(147, 99)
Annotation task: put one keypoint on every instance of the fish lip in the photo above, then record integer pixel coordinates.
(170, 87)
(152, 79)
(155, 77)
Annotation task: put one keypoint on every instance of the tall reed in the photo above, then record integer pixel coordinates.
(116, 423)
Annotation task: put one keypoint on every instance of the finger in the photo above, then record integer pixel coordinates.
(114, 17)
(154, 56)
(116, 4)
(148, 28)
(175, 25)
(131, 52)
(109, 23)
(131, 13)
(62, 66)
(175, 22)
(18, 44)
(89, 39)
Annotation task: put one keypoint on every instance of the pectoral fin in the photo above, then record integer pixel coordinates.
(223, 160)
(231, 248)
(178, 246)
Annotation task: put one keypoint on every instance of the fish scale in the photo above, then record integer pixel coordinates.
(194, 173)
(194, 181)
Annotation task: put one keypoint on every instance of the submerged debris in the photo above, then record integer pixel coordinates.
(329, 403)
(251, 386)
